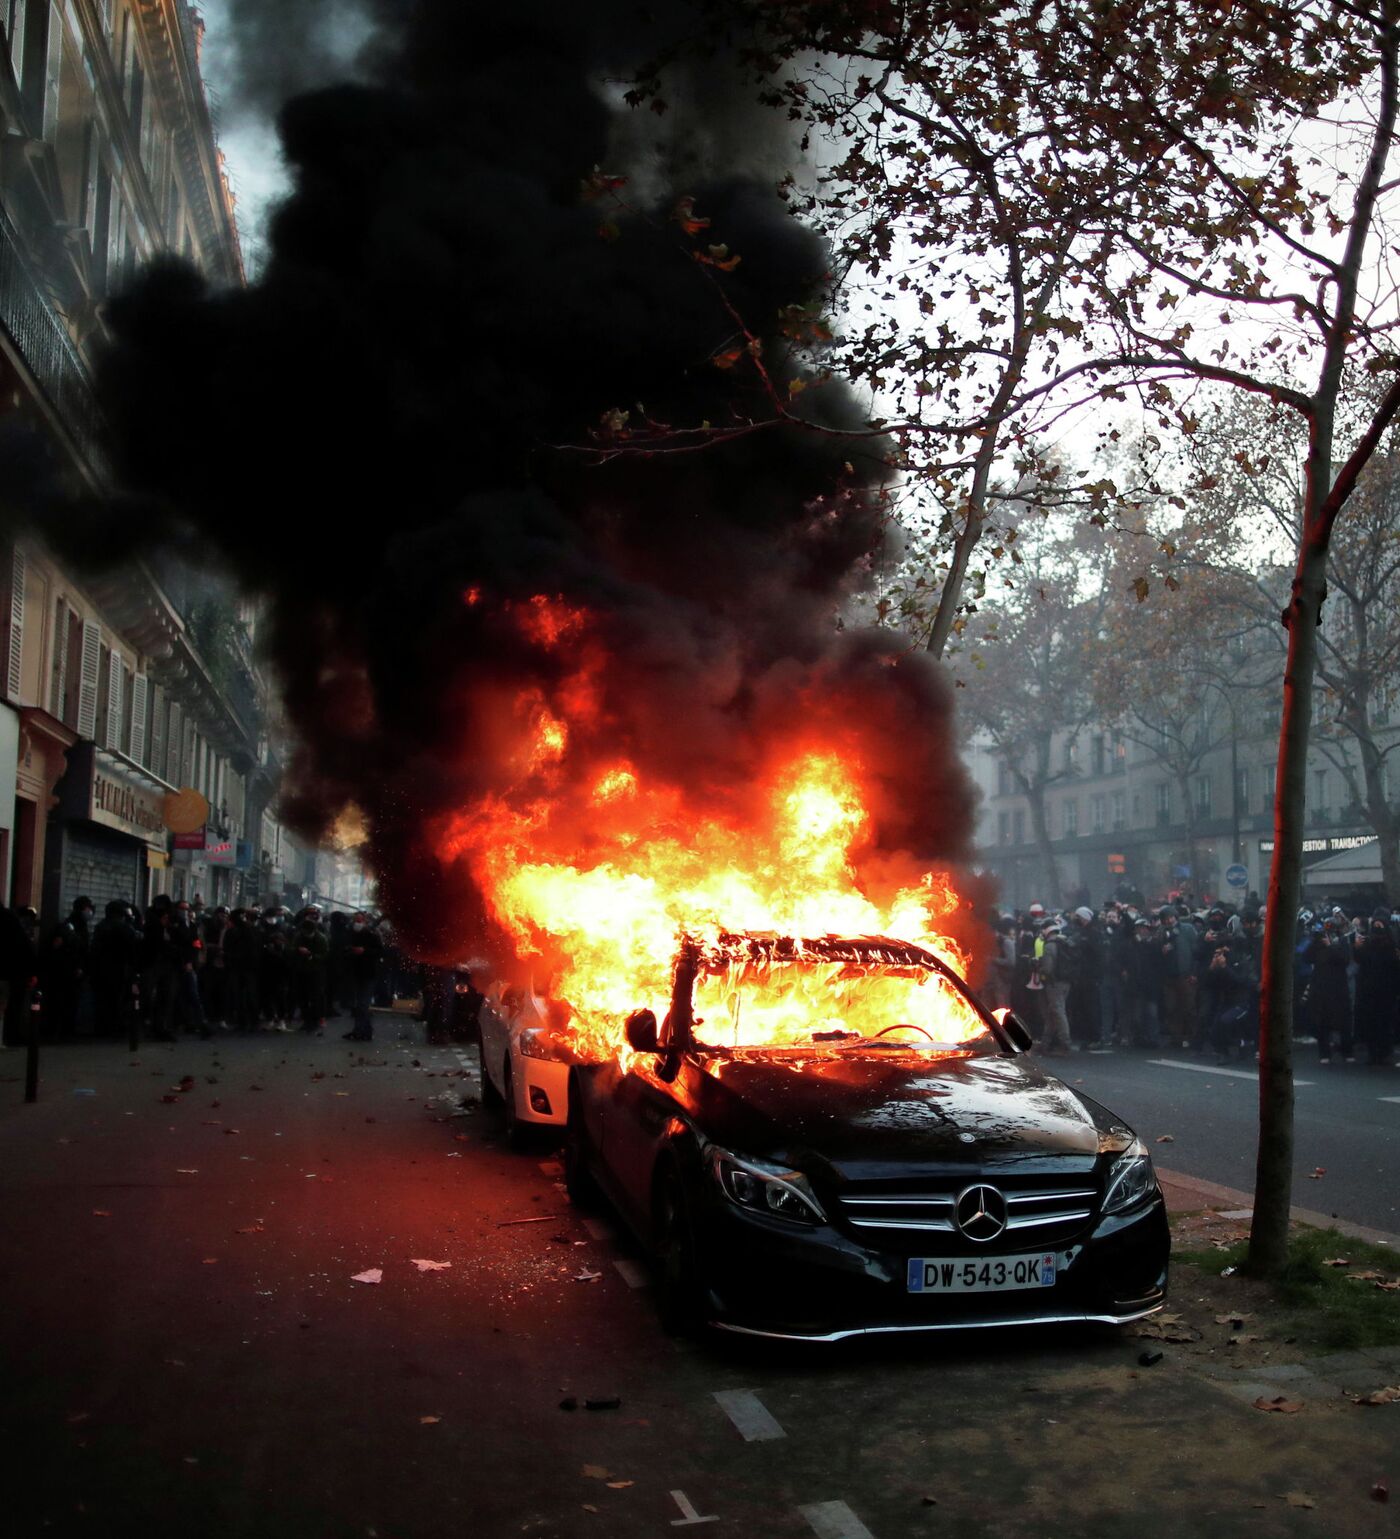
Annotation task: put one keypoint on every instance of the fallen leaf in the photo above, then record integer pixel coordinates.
(1278, 1403)
(1365, 1276)
(432, 1266)
(1387, 1396)
(620, 1485)
(429, 1421)
(1167, 1138)
(1318, 1172)
(102, 1212)
(211, 1261)
(1380, 1490)
(373, 1275)
(1235, 1320)
(1299, 1499)
(589, 1507)
(179, 1171)
(587, 1276)
(594, 1472)
(251, 1229)
(1337, 1261)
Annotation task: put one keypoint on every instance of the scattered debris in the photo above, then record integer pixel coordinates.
(620, 1485)
(586, 1276)
(1337, 1261)
(1318, 1172)
(432, 1266)
(594, 1472)
(373, 1275)
(930, 1501)
(510, 1223)
(429, 1421)
(1380, 1490)
(1279, 1403)
(1167, 1138)
(1149, 1359)
(569, 1403)
(181, 1170)
(251, 1229)
(82, 1090)
(1385, 1396)
(608, 1403)
(102, 1212)
(1299, 1499)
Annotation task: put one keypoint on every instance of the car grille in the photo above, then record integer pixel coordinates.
(1040, 1211)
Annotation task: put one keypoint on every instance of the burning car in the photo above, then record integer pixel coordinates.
(525, 1063)
(832, 1137)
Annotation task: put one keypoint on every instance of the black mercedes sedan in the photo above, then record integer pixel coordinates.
(865, 1180)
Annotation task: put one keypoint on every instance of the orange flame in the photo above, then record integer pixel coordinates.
(598, 904)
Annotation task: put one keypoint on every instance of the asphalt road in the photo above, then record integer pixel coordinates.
(184, 1348)
(1346, 1124)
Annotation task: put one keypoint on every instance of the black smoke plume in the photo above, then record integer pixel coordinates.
(389, 420)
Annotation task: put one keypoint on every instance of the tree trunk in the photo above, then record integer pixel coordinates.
(1381, 818)
(1273, 1179)
(1041, 828)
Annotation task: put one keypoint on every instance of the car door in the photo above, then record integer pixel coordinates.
(493, 1044)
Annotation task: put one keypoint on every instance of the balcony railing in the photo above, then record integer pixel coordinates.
(46, 347)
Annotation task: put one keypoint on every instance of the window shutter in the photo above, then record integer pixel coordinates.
(140, 691)
(89, 679)
(14, 647)
(113, 726)
(173, 744)
(156, 760)
(58, 692)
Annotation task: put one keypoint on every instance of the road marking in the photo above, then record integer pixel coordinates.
(1393, 1099)
(749, 1415)
(691, 1516)
(834, 1520)
(632, 1274)
(1206, 1068)
(598, 1229)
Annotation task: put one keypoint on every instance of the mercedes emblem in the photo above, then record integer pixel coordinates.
(981, 1213)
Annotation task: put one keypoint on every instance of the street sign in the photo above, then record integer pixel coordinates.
(1237, 876)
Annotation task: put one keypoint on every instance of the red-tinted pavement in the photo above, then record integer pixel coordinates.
(185, 1350)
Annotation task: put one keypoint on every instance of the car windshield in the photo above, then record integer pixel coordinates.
(853, 996)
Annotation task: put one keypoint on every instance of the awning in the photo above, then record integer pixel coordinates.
(1357, 867)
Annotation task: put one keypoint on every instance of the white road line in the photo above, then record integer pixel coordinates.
(599, 1230)
(749, 1415)
(633, 1275)
(1207, 1068)
(1393, 1099)
(691, 1516)
(834, 1520)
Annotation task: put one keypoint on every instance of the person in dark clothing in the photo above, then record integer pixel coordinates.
(213, 975)
(115, 968)
(63, 963)
(1377, 989)
(158, 969)
(1329, 998)
(242, 955)
(188, 944)
(1144, 977)
(363, 953)
(1085, 1020)
(19, 967)
(340, 986)
(274, 972)
(309, 954)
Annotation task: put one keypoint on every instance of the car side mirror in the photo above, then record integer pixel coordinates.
(641, 1032)
(1015, 1033)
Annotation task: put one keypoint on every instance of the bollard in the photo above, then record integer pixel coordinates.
(31, 1065)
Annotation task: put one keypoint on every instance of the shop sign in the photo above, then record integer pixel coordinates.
(1333, 846)
(101, 789)
(194, 841)
(224, 853)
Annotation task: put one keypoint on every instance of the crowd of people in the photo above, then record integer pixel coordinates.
(182, 967)
(1183, 975)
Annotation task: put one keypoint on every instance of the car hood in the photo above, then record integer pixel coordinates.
(878, 1114)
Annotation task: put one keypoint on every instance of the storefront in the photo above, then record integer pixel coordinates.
(107, 836)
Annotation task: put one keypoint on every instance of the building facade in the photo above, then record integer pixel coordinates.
(109, 700)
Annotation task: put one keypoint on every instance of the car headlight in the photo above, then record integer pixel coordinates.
(1131, 1179)
(764, 1188)
(539, 1043)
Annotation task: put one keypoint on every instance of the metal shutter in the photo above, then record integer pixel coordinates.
(112, 737)
(156, 761)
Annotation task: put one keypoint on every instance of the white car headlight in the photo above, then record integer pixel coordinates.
(536, 1042)
(764, 1188)
(1131, 1179)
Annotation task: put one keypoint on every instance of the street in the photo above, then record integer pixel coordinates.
(1347, 1124)
(186, 1347)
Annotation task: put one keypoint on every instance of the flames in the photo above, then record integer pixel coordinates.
(596, 872)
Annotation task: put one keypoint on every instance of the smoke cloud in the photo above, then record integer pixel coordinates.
(380, 438)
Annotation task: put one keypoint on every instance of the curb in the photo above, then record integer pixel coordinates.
(1184, 1193)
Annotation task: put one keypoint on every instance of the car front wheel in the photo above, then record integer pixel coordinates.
(679, 1288)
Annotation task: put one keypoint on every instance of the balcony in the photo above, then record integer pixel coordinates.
(48, 352)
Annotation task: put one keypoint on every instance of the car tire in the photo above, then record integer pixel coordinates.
(578, 1179)
(517, 1131)
(680, 1291)
(490, 1096)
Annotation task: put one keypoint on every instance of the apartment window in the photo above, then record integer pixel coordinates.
(1120, 756)
(1203, 795)
(1096, 762)
(1072, 754)
(1120, 811)
(1003, 828)
(1018, 827)
(1137, 809)
(1071, 815)
(1164, 802)
(1320, 791)
(1003, 778)
(1098, 813)
(1270, 786)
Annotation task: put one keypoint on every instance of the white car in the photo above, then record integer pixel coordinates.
(524, 1066)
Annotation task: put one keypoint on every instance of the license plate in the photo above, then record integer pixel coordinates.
(980, 1274)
